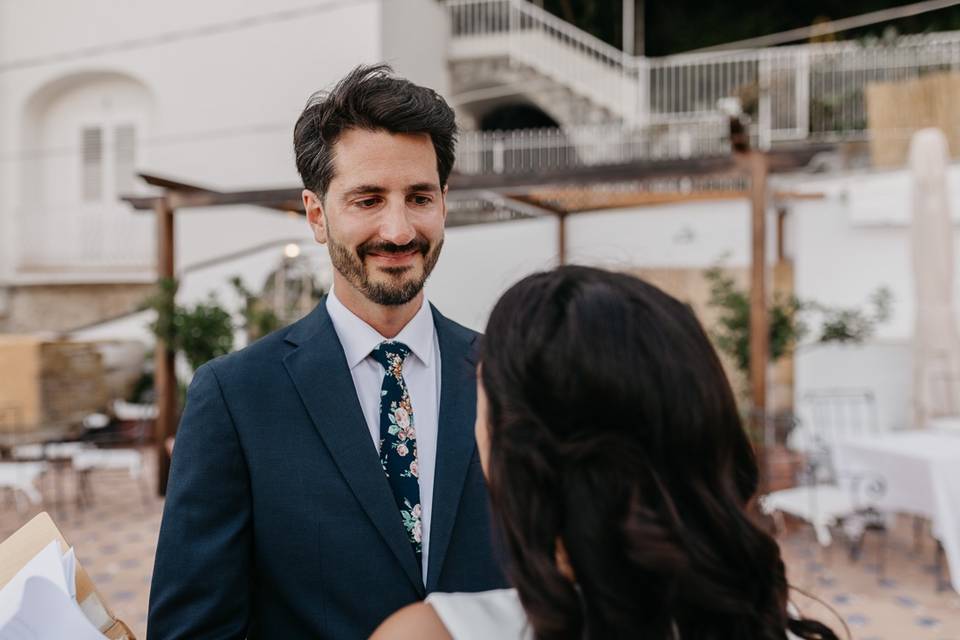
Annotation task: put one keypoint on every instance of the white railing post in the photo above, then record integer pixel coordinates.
(641, 91)
(628, 93)
(802, 91)
(499, 150)
(764, 111)
(513, 37)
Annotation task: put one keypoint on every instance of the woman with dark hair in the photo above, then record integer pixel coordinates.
(620, 474)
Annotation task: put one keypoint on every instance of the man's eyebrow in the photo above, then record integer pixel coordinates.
(362, 189)
(423, 186)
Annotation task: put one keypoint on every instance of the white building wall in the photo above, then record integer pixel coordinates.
(480, 263)
(844, 247)
(691, 235)
(226, 82)
(415, 36)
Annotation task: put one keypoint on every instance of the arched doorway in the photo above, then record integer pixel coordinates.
(509, 117)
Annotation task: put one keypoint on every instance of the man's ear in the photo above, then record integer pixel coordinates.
(313, 205)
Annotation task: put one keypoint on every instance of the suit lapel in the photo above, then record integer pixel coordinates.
(455, 439)
(318, 368)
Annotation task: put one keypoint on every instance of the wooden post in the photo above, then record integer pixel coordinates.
(165, 378)
(562, 238)
(759, 326)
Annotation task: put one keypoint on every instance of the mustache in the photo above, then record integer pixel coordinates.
(420, 244)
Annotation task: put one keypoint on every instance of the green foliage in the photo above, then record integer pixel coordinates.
(258, 318)
(204, 332)
(163, 301)
(852, 325)
(201, 332)
(789, 319)
(732, 333)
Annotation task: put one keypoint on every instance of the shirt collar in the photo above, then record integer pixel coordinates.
(359, 338)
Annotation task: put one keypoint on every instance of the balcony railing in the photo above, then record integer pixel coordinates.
(531, 150)
(103, 238)
(806, 92)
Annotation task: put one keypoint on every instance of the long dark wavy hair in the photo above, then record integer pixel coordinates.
(613, 430)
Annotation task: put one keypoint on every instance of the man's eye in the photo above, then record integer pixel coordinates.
(421, 200)
(366, 203)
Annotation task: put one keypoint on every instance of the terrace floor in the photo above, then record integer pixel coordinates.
(115, 538)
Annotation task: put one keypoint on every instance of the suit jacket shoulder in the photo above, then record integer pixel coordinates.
(454, 335)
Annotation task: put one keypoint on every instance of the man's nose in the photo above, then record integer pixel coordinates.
(395, 226)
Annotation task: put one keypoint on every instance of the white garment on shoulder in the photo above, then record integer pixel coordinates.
(482, 616)
(491, 614)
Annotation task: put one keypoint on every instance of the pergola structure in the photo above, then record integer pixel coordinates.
(558, 193)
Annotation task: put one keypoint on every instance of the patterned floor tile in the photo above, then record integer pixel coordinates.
(116, 537)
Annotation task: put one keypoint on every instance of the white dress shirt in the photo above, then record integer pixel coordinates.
(421, 373)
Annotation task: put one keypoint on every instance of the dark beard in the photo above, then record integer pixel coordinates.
(352, 267)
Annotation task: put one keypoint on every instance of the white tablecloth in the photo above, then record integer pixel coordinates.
(922, 474)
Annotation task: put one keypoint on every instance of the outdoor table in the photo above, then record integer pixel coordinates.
(921, 470)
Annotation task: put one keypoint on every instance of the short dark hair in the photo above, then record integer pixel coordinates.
(370, 97)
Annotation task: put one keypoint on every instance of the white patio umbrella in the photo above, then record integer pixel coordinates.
(936, 351)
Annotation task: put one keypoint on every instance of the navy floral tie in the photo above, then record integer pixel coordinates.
(398, 441)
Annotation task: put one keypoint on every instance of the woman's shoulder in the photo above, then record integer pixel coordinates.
(459, 616)
(417, 621)
(487, 614)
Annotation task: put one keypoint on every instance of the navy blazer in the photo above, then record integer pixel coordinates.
(279, 521)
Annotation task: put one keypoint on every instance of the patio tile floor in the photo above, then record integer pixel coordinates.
(115, 538)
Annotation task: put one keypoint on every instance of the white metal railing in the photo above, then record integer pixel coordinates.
(530, 150)
(814, 91)
(103, 237)
(811, 91)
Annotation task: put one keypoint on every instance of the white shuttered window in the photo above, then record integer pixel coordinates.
(108, 161)
(91, 175)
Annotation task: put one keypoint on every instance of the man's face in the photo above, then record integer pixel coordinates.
(383, 214)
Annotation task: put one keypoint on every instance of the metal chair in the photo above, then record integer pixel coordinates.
(824, 498)
(114, 450)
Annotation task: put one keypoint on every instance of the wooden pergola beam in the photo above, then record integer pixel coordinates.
(182, 194)
(280, 199)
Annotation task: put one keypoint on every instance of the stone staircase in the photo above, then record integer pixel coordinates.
(513, 45)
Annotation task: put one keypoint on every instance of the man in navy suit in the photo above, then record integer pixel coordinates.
(327, 475)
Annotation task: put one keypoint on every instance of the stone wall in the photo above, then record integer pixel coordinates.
(48, 384)
(65, 307)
